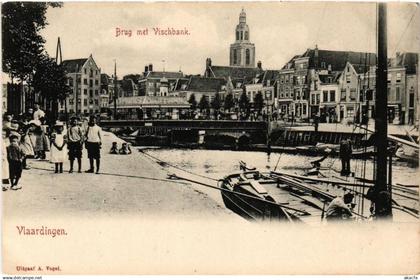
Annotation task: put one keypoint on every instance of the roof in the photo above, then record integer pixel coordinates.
(168, 75)
(153, 102)
(409, 61)
(181, 84)
(234, 72)
(325, 79)
(201, 84)
(268, 75)
(73, 65)
(338, 59)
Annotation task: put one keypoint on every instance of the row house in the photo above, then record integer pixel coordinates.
(157, 83)
(264, 84)
(402, 91)
(84, 80)
(285, 91)
(199, 87)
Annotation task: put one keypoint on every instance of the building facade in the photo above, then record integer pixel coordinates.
(84, 79)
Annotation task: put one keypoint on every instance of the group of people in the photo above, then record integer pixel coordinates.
(30, 137)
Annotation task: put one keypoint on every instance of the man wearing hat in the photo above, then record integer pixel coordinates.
(93, 144)
(75, 144)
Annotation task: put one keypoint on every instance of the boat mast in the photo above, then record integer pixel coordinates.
(382, 193)
(115, 90)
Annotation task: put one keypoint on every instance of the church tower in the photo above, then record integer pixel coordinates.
(242, 52)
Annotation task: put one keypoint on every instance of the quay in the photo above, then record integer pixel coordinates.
(127, 185)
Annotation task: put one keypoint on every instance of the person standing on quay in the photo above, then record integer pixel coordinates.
(75, 144)
(15, 157)
(58, 141)
(93, 144)
(345, 155)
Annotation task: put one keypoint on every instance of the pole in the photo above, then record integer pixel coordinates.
(382, 196)
(76, 93)
(115, 90)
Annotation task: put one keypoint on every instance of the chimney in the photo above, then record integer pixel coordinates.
(259, 65)
(316, 57)
(150, 67)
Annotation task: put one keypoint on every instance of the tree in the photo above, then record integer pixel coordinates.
(229, 102)
(22, 45)
(50, 81)
(217, 102)
(192, 101)
(203, 104)
(258, 102)
(244, 101)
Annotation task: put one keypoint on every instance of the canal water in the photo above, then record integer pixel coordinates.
(217, 164)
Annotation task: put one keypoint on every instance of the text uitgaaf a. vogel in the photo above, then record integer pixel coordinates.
(154, 31)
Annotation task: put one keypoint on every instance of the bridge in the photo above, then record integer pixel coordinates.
(216, 125)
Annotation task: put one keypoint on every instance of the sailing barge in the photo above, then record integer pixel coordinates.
(271, 196)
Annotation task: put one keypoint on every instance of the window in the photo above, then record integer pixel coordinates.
(91, 83)
(398, 77)
(343, 94)
(96, 102)
(85, 81)
(85, 71)
(323, 64)
(304, 109)
(71, 101)
(348, 79)
(287, 78)
(90, 93)
(91, 73)
(90, 101)
(235, 56)
(85, 91)
(237, 35)
(332, 95)
(96, 82)
(317, 99)
(350, 112)
(353, 94)
(389, 77)
(397, 93)
(96, 92)
(247, 57)
(325, 96)
(246, 35)
(71, 82)
(85, 102)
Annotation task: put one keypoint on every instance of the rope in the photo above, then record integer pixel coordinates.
(179, 168)
(124, 175)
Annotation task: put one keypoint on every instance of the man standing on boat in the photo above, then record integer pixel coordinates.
(345, 155)
(338, 209)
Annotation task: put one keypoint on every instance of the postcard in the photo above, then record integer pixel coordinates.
(144, 138)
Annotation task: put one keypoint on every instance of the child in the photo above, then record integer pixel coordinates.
(114, 148)
(125, 149)
(15, 157)
(75, 144)
(26, 145)
(58, 141)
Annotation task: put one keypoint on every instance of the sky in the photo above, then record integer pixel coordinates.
(279, 31)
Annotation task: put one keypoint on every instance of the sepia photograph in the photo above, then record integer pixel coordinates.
(208, 138)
